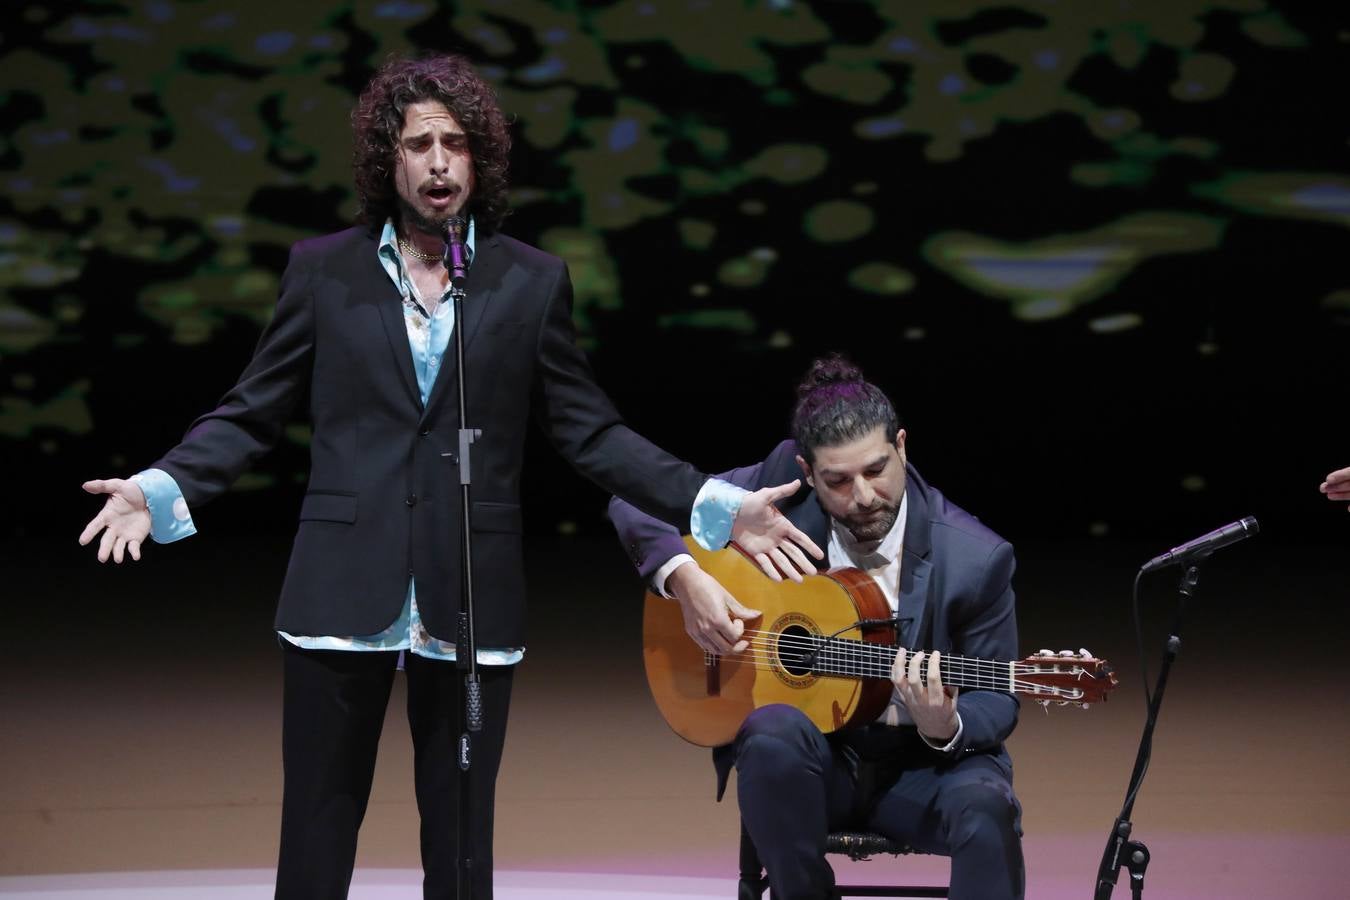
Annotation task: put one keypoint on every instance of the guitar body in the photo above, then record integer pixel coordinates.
(705, 697)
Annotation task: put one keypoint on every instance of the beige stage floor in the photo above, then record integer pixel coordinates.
(123, 750)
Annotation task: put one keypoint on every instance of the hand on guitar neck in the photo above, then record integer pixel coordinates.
(712, 617)
(930, 703)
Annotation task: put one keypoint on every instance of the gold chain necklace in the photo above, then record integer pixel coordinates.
(415, 253)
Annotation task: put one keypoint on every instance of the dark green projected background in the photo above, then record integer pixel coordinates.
(1096, 251)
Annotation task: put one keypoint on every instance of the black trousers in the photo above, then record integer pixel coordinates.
(334, 706)
(795, 786)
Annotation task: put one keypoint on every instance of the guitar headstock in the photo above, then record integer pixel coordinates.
(1065, 678)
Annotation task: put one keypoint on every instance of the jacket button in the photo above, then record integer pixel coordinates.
(412, 500)
(424, 432)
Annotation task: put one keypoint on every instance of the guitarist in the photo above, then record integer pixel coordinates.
(932, 772)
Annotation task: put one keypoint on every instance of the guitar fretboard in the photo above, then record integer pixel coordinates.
(854, 659)
(801, 654)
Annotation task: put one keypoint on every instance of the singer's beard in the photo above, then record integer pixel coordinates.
(413, 218)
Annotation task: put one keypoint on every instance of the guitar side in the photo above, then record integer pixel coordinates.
(705, 698)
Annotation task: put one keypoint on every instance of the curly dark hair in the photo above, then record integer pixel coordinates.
(377, 122)
(836, 404)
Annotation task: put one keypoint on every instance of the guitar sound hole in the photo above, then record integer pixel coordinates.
(796, 646)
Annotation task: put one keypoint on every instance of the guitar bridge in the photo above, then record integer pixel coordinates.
(712, 668)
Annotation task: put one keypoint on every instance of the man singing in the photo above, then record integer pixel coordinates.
(361, 329)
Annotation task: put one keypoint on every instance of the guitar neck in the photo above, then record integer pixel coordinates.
(853, 658)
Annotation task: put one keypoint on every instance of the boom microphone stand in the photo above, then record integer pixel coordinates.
(466, 641)
(1122, 851)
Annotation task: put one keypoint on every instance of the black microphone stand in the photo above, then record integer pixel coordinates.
(1122, 851)
(466, 641)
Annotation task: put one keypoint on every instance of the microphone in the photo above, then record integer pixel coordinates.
(456, 257)
(1203, 546)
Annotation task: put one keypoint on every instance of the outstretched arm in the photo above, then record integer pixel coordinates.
(220, 444)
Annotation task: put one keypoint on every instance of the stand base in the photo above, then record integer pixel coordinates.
(1133, 857)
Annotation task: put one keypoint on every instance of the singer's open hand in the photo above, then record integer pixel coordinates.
(124, 519)
(778, 546)
(1337, 485)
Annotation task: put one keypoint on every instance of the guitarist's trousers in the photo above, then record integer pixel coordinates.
(795, 785)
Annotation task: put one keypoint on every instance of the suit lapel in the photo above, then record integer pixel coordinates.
(916, 564)
(810, 518)
(486, 272)
(373, 281)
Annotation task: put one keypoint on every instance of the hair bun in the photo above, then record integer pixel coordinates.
(833, 369)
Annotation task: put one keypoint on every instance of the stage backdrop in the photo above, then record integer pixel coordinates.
(1096, 251)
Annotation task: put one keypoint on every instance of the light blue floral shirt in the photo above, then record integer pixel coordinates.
(428, 336)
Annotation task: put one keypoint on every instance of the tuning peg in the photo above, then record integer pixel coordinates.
(1068, 654)
(1045, 653)
(1085, 653)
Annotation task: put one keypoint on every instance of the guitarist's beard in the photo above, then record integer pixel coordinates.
(872, 525)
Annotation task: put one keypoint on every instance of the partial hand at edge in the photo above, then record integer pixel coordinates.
(778, 546)
(712, 617)
(124, 519)
(1337, 485)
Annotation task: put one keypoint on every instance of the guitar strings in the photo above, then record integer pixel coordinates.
(839, 647)
(769, 662)
(955, 674)
(880, 665)
(846, 656)
(766, 662)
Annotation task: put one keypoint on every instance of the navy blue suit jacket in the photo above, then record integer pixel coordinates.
(383, 502)
(955, 593)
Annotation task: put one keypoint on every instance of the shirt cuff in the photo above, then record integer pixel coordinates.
(660, 575)
(715, 508)
(950, 745)
(169, 517)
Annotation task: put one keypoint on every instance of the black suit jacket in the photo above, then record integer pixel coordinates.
(383, 502)
(955, 593)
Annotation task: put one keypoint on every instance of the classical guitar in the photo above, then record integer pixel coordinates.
(824, 646)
